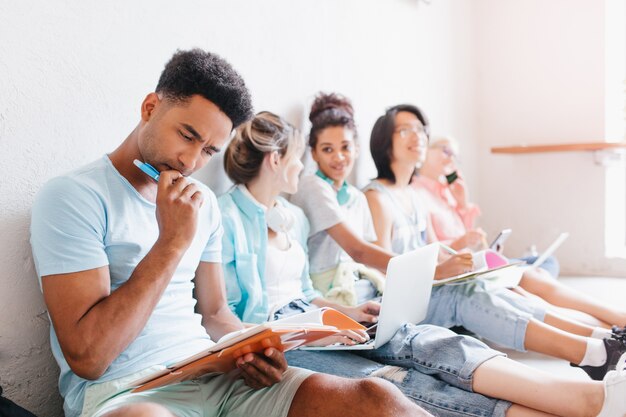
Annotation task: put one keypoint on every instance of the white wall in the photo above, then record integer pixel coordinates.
(73, 74)
(541, 80)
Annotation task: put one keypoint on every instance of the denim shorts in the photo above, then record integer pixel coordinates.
(431, 365)
(294, 307)
(500, 316)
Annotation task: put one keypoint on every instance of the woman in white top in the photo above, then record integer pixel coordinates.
(435, 368)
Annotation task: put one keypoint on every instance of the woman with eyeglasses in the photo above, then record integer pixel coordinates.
(265, 264)
(452, 217)
(398, 145)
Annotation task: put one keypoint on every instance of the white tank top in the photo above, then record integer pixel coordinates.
(283, 274)
(408, 229)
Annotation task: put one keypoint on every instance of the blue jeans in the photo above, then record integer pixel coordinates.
(431, 365)
(500, 316)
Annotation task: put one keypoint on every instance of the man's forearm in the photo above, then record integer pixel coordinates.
(108, 327)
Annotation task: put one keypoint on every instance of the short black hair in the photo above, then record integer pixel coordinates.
(198, 72)
(381, 144)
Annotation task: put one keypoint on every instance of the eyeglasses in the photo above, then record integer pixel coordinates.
(406, 132)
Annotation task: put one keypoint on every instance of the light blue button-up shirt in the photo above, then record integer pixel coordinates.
(244, 249)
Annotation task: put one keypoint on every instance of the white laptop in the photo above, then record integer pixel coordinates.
(553, 247)
(407, 293)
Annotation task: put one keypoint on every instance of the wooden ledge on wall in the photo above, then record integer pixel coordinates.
(560, 147)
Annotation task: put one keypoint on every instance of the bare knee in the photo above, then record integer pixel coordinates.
(330, 396)
(376, 391)
(382, 398)
(140, 410)
(537, 282)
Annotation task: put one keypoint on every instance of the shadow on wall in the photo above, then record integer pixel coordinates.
(9, 408)
(28, 371)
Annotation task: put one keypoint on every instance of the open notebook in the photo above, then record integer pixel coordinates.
(285, 334)
(487, 264)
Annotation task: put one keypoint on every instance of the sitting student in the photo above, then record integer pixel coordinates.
(264, 253)
(398, 144)
(500, 316)
(451, 217)
(118, 255)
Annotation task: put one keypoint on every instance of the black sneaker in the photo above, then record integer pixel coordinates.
(614, 349)
(618, 332)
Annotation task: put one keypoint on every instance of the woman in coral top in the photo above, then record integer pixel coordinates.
(452, 217)
(452, 220)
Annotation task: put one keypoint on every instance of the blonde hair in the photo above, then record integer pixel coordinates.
(264, 134)
(435, 142)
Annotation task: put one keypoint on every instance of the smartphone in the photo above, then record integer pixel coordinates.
(499, 240)
(452, 177)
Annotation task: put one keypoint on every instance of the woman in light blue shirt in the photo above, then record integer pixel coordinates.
(264, 240)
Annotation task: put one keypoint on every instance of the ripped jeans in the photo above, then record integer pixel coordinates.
(431, 365)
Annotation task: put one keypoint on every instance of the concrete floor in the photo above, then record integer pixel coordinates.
(613, 290)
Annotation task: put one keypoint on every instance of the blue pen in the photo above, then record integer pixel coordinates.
(148, 169)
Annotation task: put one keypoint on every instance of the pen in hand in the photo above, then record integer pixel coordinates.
(147, 169)
(448, 249)
(371, 331)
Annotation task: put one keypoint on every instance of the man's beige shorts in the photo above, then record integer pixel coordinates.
(212, 395)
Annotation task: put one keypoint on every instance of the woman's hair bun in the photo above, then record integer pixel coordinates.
(324, 102)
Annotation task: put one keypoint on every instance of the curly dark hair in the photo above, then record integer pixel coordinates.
(330, 110)
(206, 74)
(381, 138)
